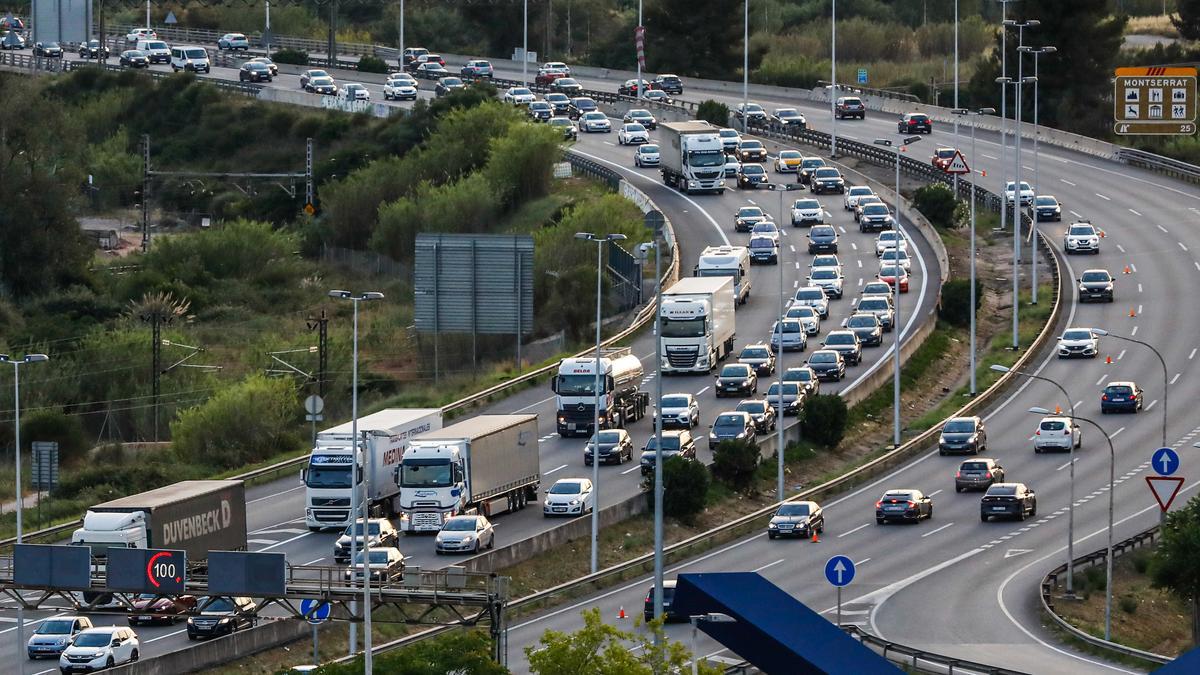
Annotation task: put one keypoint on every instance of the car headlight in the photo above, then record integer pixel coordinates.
(225, 620)
(573, 502)
(468, 539)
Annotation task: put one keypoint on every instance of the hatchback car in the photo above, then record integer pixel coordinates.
(766, 228)
(677, 443)
(1078, 343)
(849, 106)
(54, 634)
(942, 157)
(632, 134)
(846, 342)
(616, 447)
(581, 105)
(672, 84)
(807, 379)
(631, 87)
(788, 161)
(807, 316)
(252, 71)
(897, 256)
(894, 275)
(977, 473)
(763, 250)
(890, 239)
(646, 155)
(446, 85)
(753, 112)
(539, 111)
(233, 41)
(789, 334)
(132, 58)
(400, 86)
(1046, 207)
(822, 239)
(796, 519)
(732, 166)
(465, 534)
(793, 397)
(1008, 500)
(758, 410)
(50, 50)
(827, 364)
(595, 122)
(736, 379)
(518, 96)
(758, 356)
(1121, 397)
(747, 217)
(658, 96)
(862, 204)
(963, 434)
(99, 648)
(1057, 433)
(220, 615)
(866, 325)
(881, 307)
(903, 505)
(1096, 285)
(812, 296)
(679, 411)
(750, 150)
(876, 288)
(807, 166)
(827, 179)
(150, 608)
(732, 426)
(477, 68)
(92, 49)
(915, 123)
(571, 132)
(568, 497)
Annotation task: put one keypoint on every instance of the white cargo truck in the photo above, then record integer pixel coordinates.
(621, 400)
(727, 261)
(692, 157)
(383, 436)
(487, 464)
(696, 325)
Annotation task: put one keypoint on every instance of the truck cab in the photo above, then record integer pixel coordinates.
(696, 324)
(103, 530)
(727, 261)
(620, 400)
(693, 157)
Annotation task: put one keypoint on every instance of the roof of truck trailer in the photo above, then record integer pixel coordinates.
(384, 419)
(169, 494)
(473, 427)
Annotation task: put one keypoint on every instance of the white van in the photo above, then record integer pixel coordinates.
(189, 58)
(156, 50)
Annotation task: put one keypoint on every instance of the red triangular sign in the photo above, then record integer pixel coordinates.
(1164, 488)
(958, 164)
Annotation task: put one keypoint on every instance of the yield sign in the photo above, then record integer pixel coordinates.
(1164, 488)
(958, 164)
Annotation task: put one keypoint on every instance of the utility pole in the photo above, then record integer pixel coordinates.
(156, 365)
(321, 324)
(145, 192)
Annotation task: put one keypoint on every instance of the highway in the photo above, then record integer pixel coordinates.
(276, 513)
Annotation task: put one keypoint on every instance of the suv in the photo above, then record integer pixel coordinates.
(737, 425)
(679, 411)
(1057, 433)
(737, 379)
(667, 596)
(668, 83)
(942, 157)
(54, 634)
(850, 106)
(1008, 500)
(875, 218)
(99, 648)
(1121, 397)
(963, 434)
(853, 193)
(1081, 237)
(1096, 285)
(827, 179)
(807, 212)
(677, 443)
(822, 239)
(808, 317)
(812, 296)
(912, 123)
(977, 472)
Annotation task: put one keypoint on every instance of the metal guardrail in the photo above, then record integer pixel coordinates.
(1093, 559)
(1148, 160)
(847, 89)
(209, 37)
(922, 661)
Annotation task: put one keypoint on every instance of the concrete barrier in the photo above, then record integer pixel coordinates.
(201, 656)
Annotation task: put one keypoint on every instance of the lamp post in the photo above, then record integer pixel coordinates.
(655, 221)
(601, 240)
(899, 326)
(1112, 462)
(1004, 113)
(782, 189)
(981, 111)
(1016, 209)
(355, 480)
(833, 77)
(745, 64)
(1036, 53)
(1161, 361)
(525, 44)
(1071, 502)
(956, 96)
(16, 364)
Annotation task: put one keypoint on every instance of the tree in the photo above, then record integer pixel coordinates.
(603, 649)
(711, 31)
(735, 462)
(1187, 19)
(824, 419)
(685, 488)
(247, 422)
(53, 425)
(467, 652)
(956, 301)
(713, 111)
(1176, 561)
(937, 203)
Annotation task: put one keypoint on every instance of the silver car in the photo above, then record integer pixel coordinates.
(680, 411)
(812, 296)
(465, 534)
(793, 338)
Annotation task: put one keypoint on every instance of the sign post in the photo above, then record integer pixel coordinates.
(862, 75)
(1154, 100)
(1165, 486)
(315, 612)
(839, 571)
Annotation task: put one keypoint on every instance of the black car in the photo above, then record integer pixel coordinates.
(677, 443)
(642, 117)
(751, 151)
(1008, 500)
(133, 58)
(1121, 397)
(963, 434)
(540, 111)
(579, 106)
(220, 616)
(736, 379)
(1096, 285)
(253, 71)
(308, 75)
(914, 123)
(322, 85)
(753, 112)
(796, 519)
(50, 50)
(749, 176)
(668, 597)
(807, 166)
(668, 83)
(731, 426)
(875, 218)
(822, 239)
(762, 414)
(615, 447)
(92, 50)
(266, 62)
(789, 118)
(446, 85)
(747, 217)
(567, 85)
(827, 179)
(867, 327)
(806, 377)
(827, 364)
(846, 342)
(559, 103)
(903, 505)
(1046, 207)
(979, 472)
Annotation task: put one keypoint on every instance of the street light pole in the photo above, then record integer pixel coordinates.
(1036, 185)
(658, 222)
(16, 364)
(782, 189)
(1016, 183)
(600, 240)
(958, 112)
(833, 77)
(745, 64)
(525, 48)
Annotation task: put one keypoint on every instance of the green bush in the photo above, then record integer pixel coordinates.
(52, 425)
(824, 419)
(521, 165)
(372, 64)
(246, 422)
(936, 201)
(956, 301)
(1141, 562)
(1094, 579)
(1128, 604)
(466, 651)
(735, 462)
(714, 112)
(685, 488)
(294, 57)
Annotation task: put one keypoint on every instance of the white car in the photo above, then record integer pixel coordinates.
(518, 96)
(807, 212)
(807, 316)
(890, 239)
(354, 91)
(679, 411)
(766, 228)
(646, 155)
(730, 138)
(141, 34)
(99, 648)
(569, 497)
(854, 193)
(556, 65)
(732, 166)
(400, 87)
(897, 255)
(465, 534)
(1057, 433)
(826, 260)
(1078, 342)
(1026, 193)
(1081, 237)
(812, 296)
(594, 122)
(828, 279)
(387, 564)
(632, 134)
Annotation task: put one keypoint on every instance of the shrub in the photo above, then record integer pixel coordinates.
(735, 462)
(372, 64)
(1141, 562)
(521, 166)
(713, 111)
(824, 419)
(52, 425)
(937, 203)
(685, 487)
(1128, 604)
(1094, 578)
(244, 423)
(294, 57)
(956, 301)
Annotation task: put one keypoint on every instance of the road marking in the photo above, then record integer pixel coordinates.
(631, 470)
(272, 496)
(797, 267)
(1027, 168)
(842, 229)
(751, 201)
(30, 622)
(1173, 379)
(850, 532)
(769, 565)
(1133, 268)
(313, 562)
(283, 530)
(260, 542)
(1067, 464)
(859, 265)
(171, 634)
(863, 561)
(1139, 309)
(1133, 332)
(1121, 355)
(1076, 214)
(557, 468)
(1078, 403)
(853, 246)
(789, 246)
(534, 405)
(1014, 552)
(610, 143)
(1197, 266)
(1147, 408)
(937, 530)
(1114, 434)
(1139, 288)
(989, 156)
(1102, 379)
(934, 494)
(1107, 199)
(860, 281)
(1061, 179)
(1181, 245)
(702, 391)
(1120, 248)
(285, 541)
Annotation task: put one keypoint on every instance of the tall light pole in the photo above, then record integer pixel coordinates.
(656, 221)
(833, 77)
(899, 325)
(981, 111)
(638, 56)
(745, 64)
(354, 480)
(400, 33)
(600, 240)
(956, 100)
(782, 189)
(1112, 462)
(1036, 185)
(1016, 212)
(1004, 117)
(16, 364)
(525, 50)
(1071, 503)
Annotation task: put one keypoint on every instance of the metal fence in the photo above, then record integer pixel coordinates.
(204, 36)
(921, 661)
(1165, 165)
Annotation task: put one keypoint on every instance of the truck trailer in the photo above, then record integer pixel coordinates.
(487, 464)
(696, 324)
(692, 157)
(621, 400)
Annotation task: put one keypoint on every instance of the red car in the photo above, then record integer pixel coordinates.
(942, 157)
(149, 609)
(887, 273)
(545, 77)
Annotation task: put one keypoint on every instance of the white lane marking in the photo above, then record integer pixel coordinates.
(1120, 248)
(850, 532)
(534, 405)
(272, 496)
(1107, 199)
(30, 622)
(631, 470)
(1076, 214)
(842, 229)
(1135, 213)
(793, 251)
(1133, 268)
(863, 561)
(1151, 404)
(1121, 355)
(1102, 379)
(989, 156)
(860, 281)
(702, 391)
(1078, 403)
(1173, 379)
(935, 493)
(1139, 309)
(313, 562)
(768, 565)
(852, 245)
(610, 143)
(1139, 288)
(1197, 266)
(260, 542)
(171, 634)
(1067, 464)
(1067, 182)
(285, 541)
(557, 468)
(1027, 168)
(937, 530)
(1134, 331)
(1114, 434)
(1193, 354)
(751, 201)
(797, 265)
(283, 530)
(859, 265)
(1181, 245)
(1164, 230)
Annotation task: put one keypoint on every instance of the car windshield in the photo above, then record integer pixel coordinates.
(567, 488)
(895, 254)
(358, 530)
(648, 149)
(862, 322)
(451, 81)
(749, 212)
(1119, 391)
(377, 557)
(1096, 276)
(788, 327)
(751, 145)
(891, 272)
(793, 510)
(669, 443)
(728, 133)
(825, 261)
(789, 154)
(787, 112)
(852, 101)
(797, 375)
(789, 389)
(735, 371)
(974, 466)
(839, 339)
(93, 640)
(596, 116)
(817, 232)
(1082, 230)
(753, 169)
(565, 82)
(898, 495)
(803, 312)
(1077, 335)
(607, 437)
(875, 210)
(823, 274)
(674, 402)
(219, 605)
(562, 122)
(945, 153)
(634, 127)
(810, 294)
(1002, 490)
(636, 114)
(752, 407)
(460, 525)
(1053, 425)
(888, 236)
(877, 288)
(537, 105)
(755, 353)
(826, 172)
(1046, 201)
(557, 98)
(873, 305)
(806, 204)
(766, 226)
(196, 54)
(55, 627)
(812, 163)
(959, 427)
(860, 190)
(762, 242)
(729, 421)
(753, 107)
(519, 91)
(822, 357)
(322, 81)
(132, 53)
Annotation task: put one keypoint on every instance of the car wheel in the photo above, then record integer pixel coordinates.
(134, 656)
(983, 518)
(958, 488)
(770, 535)
(109, 663)
(1021, 515)
(879, 521)
(1033, 511)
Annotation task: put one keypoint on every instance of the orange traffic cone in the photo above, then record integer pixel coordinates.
(1058, 410)
(621, 616)
(1108, 359)
(1131, 312)
(1101, 234)
(1127, 269)
(815, 538)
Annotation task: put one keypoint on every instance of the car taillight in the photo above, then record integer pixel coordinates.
(988, 475)
(1103, 397)
(1038, 432)
(958, 474)
(878, 504)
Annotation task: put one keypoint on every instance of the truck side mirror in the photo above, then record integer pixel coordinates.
(304, 475)
(554, 384)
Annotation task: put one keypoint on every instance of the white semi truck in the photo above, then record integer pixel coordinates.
(621, 400)
(383, 437)
(696, 325)
(487, 464)
(693, 157)
(727, 261)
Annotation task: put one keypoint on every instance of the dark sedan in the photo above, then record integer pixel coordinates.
(674, 444)
(253, 71)
(822, 239)
(751, 151)
(731, 426)
(751, 175)
(827, 364)
(149, 608)
(762, 414)
(50, 50)
(567, 85)
(446, 85)
(845, 342)
(132, 58)
(322, 85)
(867, 327)
(1046, 207)
(914, 123)
(92, 50)
(581, 105)
(827, 179)
(903, 505)
(615, 447)
(667, 597)
(1008, 500)
(736, 379)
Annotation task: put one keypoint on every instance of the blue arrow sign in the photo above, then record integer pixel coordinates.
(839, 570)
(1165, 461)
(319, 615)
